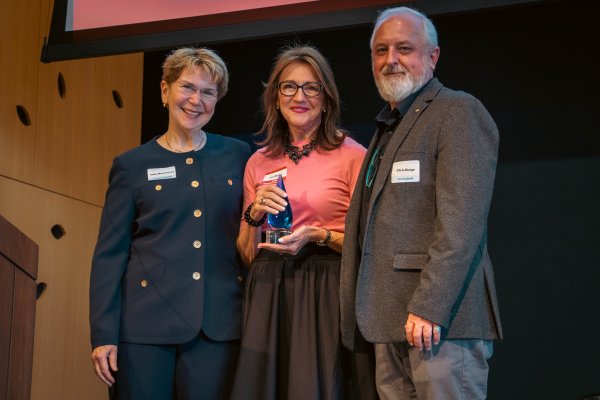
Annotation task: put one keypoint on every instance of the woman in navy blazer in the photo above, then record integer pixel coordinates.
(166, 281)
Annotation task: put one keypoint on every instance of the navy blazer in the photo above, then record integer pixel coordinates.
(165, 265)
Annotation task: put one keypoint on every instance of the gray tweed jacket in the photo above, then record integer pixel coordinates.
(425, 244)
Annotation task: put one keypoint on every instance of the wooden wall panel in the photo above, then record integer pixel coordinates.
(62, 366)
(55, 171)
(19, 55)
(7, 283)
(21, 351)
(79, 134)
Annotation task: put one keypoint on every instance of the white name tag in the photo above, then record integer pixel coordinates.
(271, 177)
(406, 171)
(155, 174)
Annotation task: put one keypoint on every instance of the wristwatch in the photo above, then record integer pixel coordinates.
(326, 240)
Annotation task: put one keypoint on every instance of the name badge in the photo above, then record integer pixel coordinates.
(271, 177)
(406, 171)
(155, 174)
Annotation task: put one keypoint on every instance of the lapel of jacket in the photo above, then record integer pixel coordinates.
(353, 215)
(408, 120)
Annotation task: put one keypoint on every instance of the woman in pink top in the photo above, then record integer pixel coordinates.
(290, 346)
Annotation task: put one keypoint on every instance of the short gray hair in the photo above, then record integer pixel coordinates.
(428, 27)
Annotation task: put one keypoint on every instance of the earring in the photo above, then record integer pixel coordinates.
(164, 105)
(324, 110)
(277, 107)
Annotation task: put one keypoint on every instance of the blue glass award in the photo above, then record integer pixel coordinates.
(281, 223)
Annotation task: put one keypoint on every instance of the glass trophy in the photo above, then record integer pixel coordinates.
(281, 223)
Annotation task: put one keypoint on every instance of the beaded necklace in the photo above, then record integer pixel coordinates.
(296, 153)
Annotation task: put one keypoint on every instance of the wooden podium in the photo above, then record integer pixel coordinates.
(18, 272)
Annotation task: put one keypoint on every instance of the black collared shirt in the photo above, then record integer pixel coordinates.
(387, 121)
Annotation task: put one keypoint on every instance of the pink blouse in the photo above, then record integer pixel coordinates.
(319, 187)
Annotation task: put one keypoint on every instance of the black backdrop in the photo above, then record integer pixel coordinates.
(532, 66)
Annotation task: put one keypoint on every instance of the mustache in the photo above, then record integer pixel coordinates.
(393, 69)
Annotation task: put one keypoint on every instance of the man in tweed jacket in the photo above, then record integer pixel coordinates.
(416, 276)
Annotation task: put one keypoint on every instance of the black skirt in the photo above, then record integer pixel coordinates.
(290, 347)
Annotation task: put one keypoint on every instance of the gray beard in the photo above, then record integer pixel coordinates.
(394, 90)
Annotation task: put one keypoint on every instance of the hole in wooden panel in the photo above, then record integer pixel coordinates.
(57, 231)
(41, 287)
(23, 115)
(62, 87)
(117, 98)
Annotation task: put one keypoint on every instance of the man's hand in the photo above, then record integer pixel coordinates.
(420, 331)
(104, 359)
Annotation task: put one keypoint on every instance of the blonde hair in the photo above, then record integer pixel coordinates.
(206, 59)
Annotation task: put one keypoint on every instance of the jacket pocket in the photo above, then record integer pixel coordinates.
(157, 195)
(226, 181)
(143, 280)
(410, 262)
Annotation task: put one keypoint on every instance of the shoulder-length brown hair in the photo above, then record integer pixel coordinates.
(275, 127)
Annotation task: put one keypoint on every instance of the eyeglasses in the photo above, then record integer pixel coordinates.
(189, 90)
(310, 89)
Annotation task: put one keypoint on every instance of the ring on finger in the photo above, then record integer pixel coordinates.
(262, 201)
(437, 328)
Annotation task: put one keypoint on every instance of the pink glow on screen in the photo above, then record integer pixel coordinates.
(89, 14)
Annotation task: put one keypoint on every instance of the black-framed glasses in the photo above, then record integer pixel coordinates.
(310, 89)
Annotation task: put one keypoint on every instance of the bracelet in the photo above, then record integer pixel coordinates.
(326, 240)
(252, 222)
